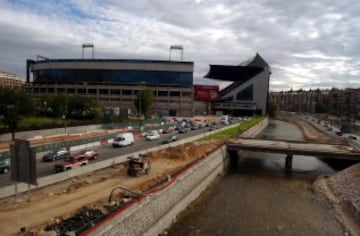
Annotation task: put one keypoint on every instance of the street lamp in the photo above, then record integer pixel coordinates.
(65, 124)
(140, 98)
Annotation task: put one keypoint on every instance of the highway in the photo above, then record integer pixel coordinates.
(106, 152)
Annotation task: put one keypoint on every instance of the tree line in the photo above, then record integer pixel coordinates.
(15, 105)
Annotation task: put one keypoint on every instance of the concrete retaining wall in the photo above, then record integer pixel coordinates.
(152, 214)
(155, 212)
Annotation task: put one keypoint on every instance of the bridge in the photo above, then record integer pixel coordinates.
(291, 148)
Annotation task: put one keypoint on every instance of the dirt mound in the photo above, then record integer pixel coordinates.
(185, 152)
(345, 185)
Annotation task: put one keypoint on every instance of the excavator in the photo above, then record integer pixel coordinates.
(137, 166)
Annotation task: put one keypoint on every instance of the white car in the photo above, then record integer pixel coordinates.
(154, 134)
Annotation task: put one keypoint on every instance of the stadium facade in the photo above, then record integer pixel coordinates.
(248, 92)
(115, 83)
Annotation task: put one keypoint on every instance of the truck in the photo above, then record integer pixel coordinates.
(225, 120)
(72, 162)
(123, 139)
(137, 166)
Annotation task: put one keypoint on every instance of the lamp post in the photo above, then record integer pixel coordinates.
(140, 97)
(65, 124)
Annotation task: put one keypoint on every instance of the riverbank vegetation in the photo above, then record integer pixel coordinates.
(235, 131)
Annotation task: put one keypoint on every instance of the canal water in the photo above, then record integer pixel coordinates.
(259, 198)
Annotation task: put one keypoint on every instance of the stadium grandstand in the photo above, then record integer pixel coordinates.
(249, 89)
(115, 82)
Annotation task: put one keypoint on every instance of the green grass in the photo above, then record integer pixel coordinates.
(30, 122)
(233, 132)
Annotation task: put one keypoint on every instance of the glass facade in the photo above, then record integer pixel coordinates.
(115, 76)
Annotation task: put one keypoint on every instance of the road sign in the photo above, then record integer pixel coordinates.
(23, 162)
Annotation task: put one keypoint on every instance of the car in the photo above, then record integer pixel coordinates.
(154, 134)
(202, 125)
(225, 122)
(72, 162)
(194, 127)
(4, 166)
(182, 130)
(54, 155)
(168, 130)
(212, 127)
(170, 139)
(89, 154)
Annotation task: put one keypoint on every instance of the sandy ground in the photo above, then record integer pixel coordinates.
(64, 199)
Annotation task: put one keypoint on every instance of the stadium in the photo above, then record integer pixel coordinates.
(115, 83)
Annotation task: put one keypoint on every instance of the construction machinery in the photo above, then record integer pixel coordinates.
(137, 166)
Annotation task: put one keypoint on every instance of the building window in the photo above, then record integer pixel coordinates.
(246, 94)
(163, 93)
(186, 94)
(91, 91)
(81, 91)
(104, 91)
(115, 91)
(175, 94)
(127, 92)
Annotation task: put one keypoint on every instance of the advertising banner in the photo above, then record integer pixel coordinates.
(206, 92)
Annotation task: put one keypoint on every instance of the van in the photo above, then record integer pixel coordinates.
(124, 139)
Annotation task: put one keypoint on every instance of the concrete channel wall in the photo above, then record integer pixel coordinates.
(59, 177)
(155, 212)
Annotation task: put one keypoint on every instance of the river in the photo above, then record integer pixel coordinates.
(259, 198)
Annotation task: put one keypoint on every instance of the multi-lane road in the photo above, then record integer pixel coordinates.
(106, 152)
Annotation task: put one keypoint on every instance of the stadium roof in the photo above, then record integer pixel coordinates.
(232, 73)
(239, 73)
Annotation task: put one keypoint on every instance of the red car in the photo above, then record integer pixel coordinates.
(89, 154)
(71, 163)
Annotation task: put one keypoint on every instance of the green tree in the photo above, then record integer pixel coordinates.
(82, 108)
(272, 108)
(14, 106)
(52, 105)
(320, 108)
(144, 100)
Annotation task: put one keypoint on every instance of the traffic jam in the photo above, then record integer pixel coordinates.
(66, 160)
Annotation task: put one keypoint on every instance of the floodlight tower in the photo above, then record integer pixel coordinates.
(87, 45)
(176, 47)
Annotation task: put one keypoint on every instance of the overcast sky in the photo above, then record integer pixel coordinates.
(308, 44)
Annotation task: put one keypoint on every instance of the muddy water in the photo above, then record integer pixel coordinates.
(259, 198)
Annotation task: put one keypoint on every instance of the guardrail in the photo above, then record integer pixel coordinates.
(77, 142)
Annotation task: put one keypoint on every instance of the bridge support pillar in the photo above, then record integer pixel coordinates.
(288, 162)
(234, 158)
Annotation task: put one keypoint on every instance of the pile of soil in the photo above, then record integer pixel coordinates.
(185, 152)
(345, 185)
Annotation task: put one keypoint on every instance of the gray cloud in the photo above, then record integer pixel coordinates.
(308, 44)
